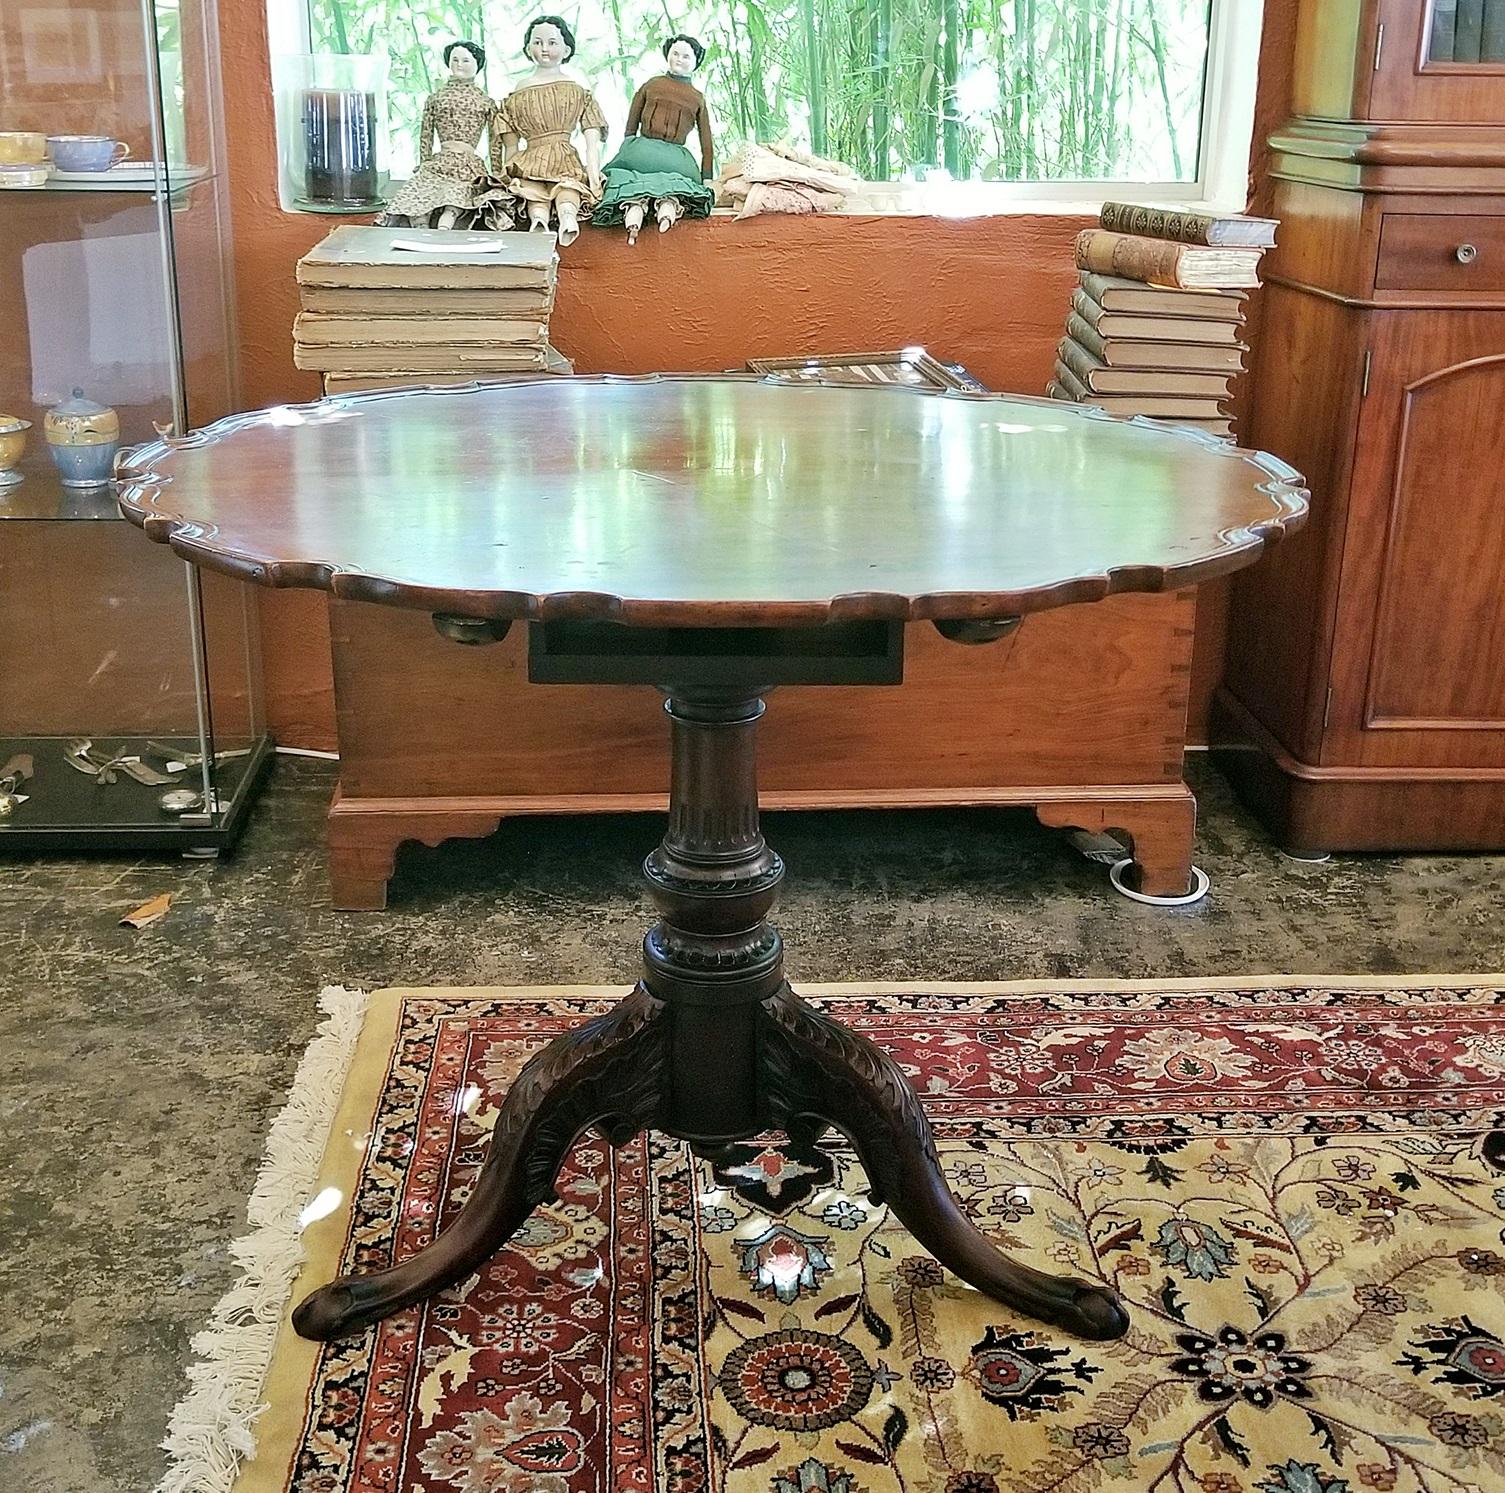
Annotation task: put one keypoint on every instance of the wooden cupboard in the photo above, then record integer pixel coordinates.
(1364, 702)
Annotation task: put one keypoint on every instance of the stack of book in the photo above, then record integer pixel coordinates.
(388, 307)
(1157, 317)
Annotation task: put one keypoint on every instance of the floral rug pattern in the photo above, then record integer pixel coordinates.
(1291, 1187)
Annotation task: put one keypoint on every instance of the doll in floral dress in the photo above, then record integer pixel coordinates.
(442, 191)
(533, 153)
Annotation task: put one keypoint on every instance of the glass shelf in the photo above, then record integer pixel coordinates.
(65, 807)
(178, 180)
(41, 497)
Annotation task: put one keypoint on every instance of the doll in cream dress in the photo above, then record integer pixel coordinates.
(442, 191)
(532, 152)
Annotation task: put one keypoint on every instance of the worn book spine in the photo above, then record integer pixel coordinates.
(475, 361)
(1076, 390)
(312, 327)
(1078, 360)
(1154, 326)
(1468, 34)
(420, 276)
(1150, 350)
(1150, 261)
(1114, 293)
(1102, 378)
(1186, 228)
(1079, 331)
(355, 383)
(344, 300)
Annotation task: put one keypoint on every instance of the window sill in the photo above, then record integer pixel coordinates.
(959, 200)
(859, 206)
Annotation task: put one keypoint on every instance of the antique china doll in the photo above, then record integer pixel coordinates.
(543, 112)
(442, 191)
(653, 166)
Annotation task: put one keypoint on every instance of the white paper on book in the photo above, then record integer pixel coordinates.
(473, 246)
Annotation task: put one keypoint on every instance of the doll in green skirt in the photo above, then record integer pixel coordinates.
(653, 169)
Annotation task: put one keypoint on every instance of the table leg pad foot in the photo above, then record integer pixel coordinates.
(816, 1069)
(607, 1073)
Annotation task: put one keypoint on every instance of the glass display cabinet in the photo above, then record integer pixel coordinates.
(130, 708)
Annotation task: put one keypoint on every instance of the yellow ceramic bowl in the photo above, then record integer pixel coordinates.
(12, 444)
(22, 148)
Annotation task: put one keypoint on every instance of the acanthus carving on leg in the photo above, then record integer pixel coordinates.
(814, 1068)
(608, 1073)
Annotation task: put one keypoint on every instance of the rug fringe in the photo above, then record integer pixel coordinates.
(210, 1431)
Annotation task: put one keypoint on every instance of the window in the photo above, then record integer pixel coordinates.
(1056, 97)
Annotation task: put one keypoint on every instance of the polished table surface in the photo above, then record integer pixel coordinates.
(727, 517)
(695, 502)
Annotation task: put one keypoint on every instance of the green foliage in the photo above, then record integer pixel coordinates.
(994, 90)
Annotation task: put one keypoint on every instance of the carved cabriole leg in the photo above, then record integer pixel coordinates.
(816, 1070)
(607, 1073)
(712, 1047)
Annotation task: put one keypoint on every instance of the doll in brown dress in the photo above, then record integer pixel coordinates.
(542, 113)
(653, 168)
(442, 192)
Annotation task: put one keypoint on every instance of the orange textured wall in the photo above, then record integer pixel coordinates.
(987, 292)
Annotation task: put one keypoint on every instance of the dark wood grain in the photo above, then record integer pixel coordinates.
(695, 507)
(685, 502)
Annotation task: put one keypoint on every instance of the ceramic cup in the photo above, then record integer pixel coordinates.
(86, 152)
(12, 444)
(22, 148)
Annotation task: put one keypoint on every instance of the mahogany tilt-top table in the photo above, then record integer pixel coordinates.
(717, 539)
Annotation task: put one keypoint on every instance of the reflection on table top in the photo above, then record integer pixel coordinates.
(703, 501)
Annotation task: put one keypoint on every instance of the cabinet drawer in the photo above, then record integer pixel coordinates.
(1425, 251)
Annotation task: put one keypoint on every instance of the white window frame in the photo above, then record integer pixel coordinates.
(1221, 184)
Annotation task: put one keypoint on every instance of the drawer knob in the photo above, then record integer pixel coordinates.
(1465, 253)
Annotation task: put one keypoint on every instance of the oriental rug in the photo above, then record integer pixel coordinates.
(1291, 1183)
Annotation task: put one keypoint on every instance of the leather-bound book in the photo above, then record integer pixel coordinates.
(1189, 228)
(1184, 357)
(1115, 294)
(1158, 405)
(1101, 379)
(1161, 262)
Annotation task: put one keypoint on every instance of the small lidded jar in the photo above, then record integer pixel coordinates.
(84, 437)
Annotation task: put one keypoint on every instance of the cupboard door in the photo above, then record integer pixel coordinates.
(1418, 672)
(1440, 62)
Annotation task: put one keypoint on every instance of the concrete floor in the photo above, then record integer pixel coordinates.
(142, 1069)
